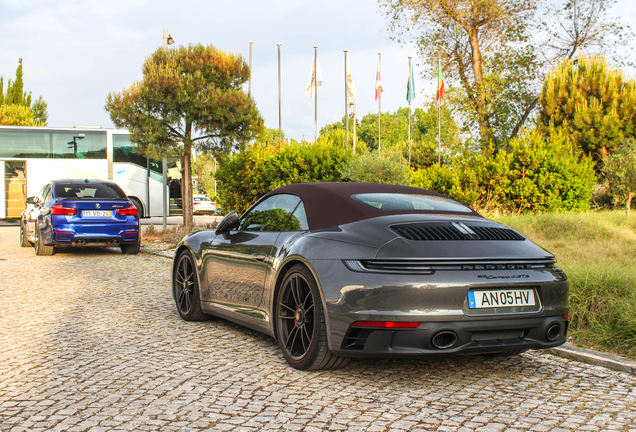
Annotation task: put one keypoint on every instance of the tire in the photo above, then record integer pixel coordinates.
(40, 248)
(300, 323)
(138, 205)
(185, 289)
(131, 249)
(24, 241)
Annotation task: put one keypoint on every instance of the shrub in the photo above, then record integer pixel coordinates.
(388, 167)
(620, 172)
(537, 175)
(250, 174)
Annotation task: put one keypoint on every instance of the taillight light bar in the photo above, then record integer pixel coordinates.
(59, 209)
(386, 324)
(128, 211)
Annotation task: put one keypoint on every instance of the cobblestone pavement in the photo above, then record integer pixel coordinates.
(90, 340)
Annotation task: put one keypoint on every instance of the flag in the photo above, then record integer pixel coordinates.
(351, 88)
(440, 83)
(309, 88)
(410, 86)
(378, 82)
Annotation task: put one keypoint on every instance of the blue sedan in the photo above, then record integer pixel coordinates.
(72, 213)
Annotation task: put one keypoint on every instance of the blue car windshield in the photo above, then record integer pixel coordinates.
(400, 201)
(89, 190)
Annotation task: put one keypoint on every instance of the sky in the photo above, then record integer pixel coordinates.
(77, 51)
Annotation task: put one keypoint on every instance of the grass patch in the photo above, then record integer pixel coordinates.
(597, 250)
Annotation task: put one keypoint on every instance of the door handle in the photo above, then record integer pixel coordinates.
(259, 257)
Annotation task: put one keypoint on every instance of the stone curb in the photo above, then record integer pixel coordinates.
(163, 254)
(567, 351)
(584, 355)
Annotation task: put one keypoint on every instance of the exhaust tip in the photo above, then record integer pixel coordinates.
(553, 333)
(444, 339)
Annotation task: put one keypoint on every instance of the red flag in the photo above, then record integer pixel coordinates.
(378, 83)
(440, 83)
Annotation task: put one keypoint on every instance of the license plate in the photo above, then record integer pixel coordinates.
(501, 298)
(97, 213)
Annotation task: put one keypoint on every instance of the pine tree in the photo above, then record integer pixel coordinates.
(591, 103)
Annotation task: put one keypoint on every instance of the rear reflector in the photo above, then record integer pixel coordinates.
(63, 232)
(59, 209)
(128, 211)
(566, 316)
(386, 324)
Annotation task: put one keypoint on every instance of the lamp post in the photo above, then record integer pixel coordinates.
(167, 40)
(73, 144)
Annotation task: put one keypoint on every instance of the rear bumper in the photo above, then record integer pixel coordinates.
(491, 336)
(91, 235)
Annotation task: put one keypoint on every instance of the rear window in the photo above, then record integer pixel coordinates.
(397, 201)
(89, 190)
(202, 199)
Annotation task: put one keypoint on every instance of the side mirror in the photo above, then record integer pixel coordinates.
(33, 200)
(228, 223)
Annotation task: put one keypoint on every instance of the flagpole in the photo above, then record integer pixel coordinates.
(355, 103)
(379, 104)
(315, 93)
(346, 105)
(409, 97)
(439, 118)
(280, 115)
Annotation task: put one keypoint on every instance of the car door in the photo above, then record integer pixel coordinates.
(32, 211)
(236, 264)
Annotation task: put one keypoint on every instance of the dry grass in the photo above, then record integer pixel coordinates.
(597, 250)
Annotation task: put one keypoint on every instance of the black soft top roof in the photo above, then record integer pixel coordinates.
(330, 204)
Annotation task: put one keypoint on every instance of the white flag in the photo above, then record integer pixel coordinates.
(309, 88)
(351, 87)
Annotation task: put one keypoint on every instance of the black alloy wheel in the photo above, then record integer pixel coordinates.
(300, 321)
(185, 288)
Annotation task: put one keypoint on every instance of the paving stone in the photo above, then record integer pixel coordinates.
(90, 341)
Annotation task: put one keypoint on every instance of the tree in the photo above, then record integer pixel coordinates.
(487, 48)
(591, 103)
(269, 135)
(204, 169)
(17, 115)
(40, 114)
(620, 172)
(189, 97)
(395, 133)
(389, 167)
(17, 97)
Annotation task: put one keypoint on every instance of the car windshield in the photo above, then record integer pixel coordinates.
(398, 201)
(89, 190)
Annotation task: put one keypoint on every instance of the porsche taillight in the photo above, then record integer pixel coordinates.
(128, 211)
(59, 209)
(386, 324)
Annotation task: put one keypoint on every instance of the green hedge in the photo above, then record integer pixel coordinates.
(536, 175)
(248, 175)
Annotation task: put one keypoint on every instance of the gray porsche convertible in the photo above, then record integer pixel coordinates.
(340, 270)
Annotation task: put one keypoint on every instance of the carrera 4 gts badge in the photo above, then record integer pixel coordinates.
(519, 276)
